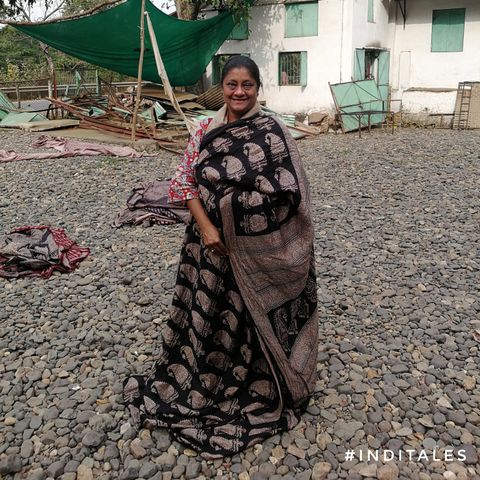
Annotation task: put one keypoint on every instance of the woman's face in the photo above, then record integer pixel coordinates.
(240, 92)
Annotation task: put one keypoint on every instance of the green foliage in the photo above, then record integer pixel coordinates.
(21, 58)
(21, 54)
(240, 8)
(9, 8)
(76, 6)
(189, 9)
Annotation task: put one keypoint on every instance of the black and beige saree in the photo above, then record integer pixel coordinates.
(240, 347)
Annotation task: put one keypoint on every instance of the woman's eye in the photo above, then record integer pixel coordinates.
(247, 86)
(231, 86)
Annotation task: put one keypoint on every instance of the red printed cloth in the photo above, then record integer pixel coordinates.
(38, 250)
(183, 185)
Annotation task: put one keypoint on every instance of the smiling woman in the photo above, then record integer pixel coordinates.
(240, 347)
(240, 83)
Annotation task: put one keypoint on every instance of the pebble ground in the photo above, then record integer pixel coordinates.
(397, 247)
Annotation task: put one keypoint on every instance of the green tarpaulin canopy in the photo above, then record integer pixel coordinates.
(111, 39)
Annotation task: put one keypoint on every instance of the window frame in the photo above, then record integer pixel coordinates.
(303, 69)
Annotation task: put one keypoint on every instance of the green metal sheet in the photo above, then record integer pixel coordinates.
(5, 103)
(14, 118)
(358, 96)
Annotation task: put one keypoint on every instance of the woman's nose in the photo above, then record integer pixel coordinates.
(238, 90)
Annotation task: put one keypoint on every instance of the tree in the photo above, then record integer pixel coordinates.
(23, 11)
(190, 9)
(186, 9)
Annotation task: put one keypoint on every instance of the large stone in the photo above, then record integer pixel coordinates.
(148, 470)
(10, 464)
(389, 471)
(193, 469)
(136, 448)
(321, 470)
(346, 430)
(56, 469)
(26, 450)
(84, 473)
(92, 438)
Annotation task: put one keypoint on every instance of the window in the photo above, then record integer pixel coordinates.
(448, 28)
(301, 19)
(371, 11)
(218, 63)
(240, 31)
(292, 68)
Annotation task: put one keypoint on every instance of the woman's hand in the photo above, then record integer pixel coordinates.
(212, 240)
(210, 234)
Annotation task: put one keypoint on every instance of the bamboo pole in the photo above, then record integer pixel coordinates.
(163, 75)
(140, 70)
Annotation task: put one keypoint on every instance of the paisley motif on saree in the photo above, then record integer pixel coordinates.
(240, 347)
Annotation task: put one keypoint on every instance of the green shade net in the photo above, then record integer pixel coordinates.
(111, 39)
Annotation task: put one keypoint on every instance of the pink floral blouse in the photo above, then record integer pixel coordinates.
(183, 185)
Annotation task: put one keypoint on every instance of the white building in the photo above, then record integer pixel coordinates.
(421, 49)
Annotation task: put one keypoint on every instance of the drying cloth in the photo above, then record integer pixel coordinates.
(149, 201)
(39, 250)
(70, 148)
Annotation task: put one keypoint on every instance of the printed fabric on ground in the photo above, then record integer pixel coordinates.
(38, 251)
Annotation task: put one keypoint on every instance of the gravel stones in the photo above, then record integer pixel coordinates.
(10, 464)
(396, 243)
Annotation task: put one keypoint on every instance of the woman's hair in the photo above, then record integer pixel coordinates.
(239, 61)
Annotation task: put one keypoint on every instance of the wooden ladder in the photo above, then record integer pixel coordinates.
(462, 112)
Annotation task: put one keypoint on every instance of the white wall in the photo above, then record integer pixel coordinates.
(415, 66)
(324, 52)
(370, 34)
(342, 28)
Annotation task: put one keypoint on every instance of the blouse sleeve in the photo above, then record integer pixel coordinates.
(183, 185)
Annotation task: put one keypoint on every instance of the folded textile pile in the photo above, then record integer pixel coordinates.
(149, 202)
(39, 250)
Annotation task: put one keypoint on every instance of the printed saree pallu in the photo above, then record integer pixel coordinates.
(240, 346)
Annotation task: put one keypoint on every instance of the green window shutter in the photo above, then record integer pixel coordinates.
(383, 74)
(303, 69)
(240, 31)
(448, 29)
(301, 19)
(371, 11)
(359, 71)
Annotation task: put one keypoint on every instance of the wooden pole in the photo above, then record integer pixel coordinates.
(162, 73)
(140, 70)
(17, 91)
